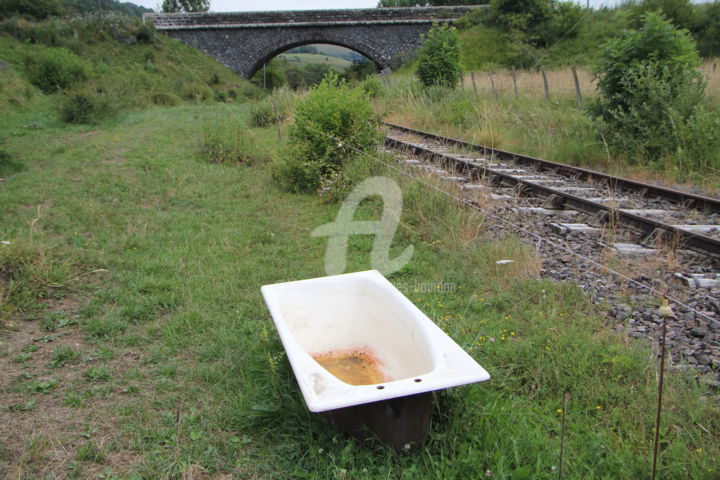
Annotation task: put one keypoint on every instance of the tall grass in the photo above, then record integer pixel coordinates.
(558, 129)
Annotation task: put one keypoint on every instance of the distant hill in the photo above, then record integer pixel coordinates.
(329, 50)
(89, 6)
(302, 59)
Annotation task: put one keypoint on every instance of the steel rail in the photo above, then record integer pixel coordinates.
(686, 239)
(686, 200)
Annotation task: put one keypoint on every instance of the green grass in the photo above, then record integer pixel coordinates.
(302, 59)
(169, 253)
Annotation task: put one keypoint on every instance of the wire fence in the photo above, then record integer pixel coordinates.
(567, 82)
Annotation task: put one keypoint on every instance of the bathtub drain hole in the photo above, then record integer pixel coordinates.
(380, 387)
(418, 380)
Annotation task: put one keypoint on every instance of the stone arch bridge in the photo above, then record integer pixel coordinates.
(245, 41)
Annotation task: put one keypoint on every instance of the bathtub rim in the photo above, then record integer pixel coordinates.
(452, 366)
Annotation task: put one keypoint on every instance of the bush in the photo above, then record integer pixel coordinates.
(262, 113)
(439, 57)
(145, 34)
(52, 69)
(333, 125)
(85, 107)
(372, 86)
(649, 88)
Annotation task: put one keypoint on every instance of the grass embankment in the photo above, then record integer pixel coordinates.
(135, 342)
(129, 66)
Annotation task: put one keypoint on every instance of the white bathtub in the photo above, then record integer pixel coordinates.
(364, 311)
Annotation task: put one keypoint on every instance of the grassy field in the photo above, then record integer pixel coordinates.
(302, 59)
(135, 343)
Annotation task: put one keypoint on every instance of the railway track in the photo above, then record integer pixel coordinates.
(592, 213)
(573, 188)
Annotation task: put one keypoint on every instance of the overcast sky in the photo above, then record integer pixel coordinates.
(252, 5)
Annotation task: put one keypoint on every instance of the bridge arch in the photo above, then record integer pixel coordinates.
(285, 44)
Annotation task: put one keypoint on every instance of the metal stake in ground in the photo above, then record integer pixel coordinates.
(566, 400)
(666, 311)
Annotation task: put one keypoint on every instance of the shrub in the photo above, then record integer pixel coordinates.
(372, 86)
(649, 88)
(262, 113)
(52, 69)
(145, 34)
(439, 57)
(85, 107)
(333, 124)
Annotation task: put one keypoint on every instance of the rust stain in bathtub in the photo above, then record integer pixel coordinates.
(356, 367)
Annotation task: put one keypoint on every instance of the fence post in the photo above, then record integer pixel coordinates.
(514, 78)
(578, 93)
(492, 84)
(472, 77)
(545, 83)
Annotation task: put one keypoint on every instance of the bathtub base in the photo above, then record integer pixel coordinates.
(401, 423)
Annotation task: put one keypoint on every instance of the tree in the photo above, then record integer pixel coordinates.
(180, 6)
(35, 9)
(439, 57)
(414, 3)
(707, 30)
(680, 13)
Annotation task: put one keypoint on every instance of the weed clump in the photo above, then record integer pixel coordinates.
(196, 92)
(227, 141)
(90, 452)
(262, 115)
(85, 107)
(164, 98)
(53, 69)
(333, 125)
